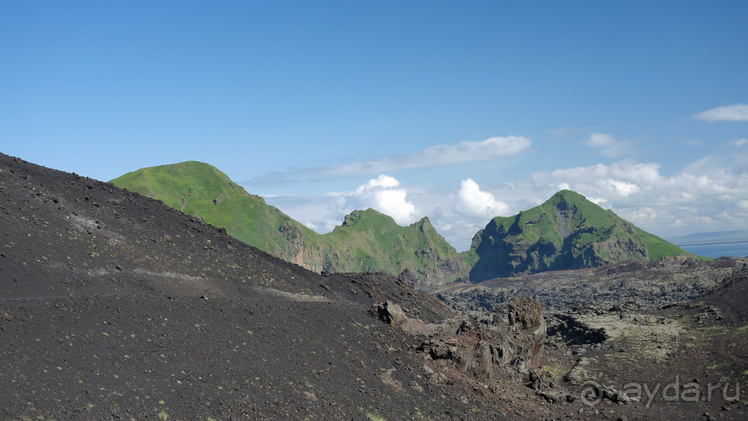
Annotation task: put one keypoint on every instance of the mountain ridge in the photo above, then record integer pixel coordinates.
(712, 237)
(565, 232)
(117, 306)
(366, 241)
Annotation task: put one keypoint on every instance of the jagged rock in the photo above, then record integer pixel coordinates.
(408, 276)
(452, 343)
(527, 313)
(612, 394)
(440, 348)
(479, 364)
(579, 374)
(627, 285)
(552, 396)
(389, 313)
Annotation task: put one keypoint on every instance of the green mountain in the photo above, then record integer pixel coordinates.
(371, 241)
(566, 232)
(367, 241)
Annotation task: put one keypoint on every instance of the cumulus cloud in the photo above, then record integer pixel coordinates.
(709, 193)
(608, 145)
(324, 212)
(736, 112)
(383, 181)
(622, 188)
(471, 200)
(385, 195)
(440, 155)
(620, 177)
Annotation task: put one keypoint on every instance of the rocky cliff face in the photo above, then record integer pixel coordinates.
(299, 251)
(566, 232)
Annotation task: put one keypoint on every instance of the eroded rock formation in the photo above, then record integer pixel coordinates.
(476, 346)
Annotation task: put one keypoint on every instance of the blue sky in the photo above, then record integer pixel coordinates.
(455, 110)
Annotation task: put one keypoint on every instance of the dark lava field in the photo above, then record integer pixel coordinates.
(115, 306)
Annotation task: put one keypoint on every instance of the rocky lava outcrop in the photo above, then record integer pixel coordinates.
(476, 347)
(115, 306)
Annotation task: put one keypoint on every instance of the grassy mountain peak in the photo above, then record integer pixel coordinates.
(566, 232)
(201, 190)
(366, 219)
(367, 240)
(418, 251)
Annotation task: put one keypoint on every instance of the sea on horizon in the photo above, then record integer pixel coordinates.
(715, 250)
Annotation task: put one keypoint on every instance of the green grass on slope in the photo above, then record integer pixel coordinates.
(367, 241)
(202, 190)
(383, 245)
(572, 223)
(659, 248)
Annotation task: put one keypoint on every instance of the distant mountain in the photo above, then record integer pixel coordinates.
(202, 190)
(367, 241)
(566, 232)
(711, 237)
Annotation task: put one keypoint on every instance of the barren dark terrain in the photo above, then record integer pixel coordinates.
(647, 284)
(670, 335)
(115, 306)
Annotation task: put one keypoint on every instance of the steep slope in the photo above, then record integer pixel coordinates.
(566, 232)
(367, 241)
(113, 305)
(202, 190)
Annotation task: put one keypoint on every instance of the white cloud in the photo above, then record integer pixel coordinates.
(471, 200)
(385, 195)
(708, 195)
(440, 155)
(383, 181)
(434, 156)
(609, 146)
(600, 140)
(736, 112)
(622, 188)
(731, 157)
(608, 178)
